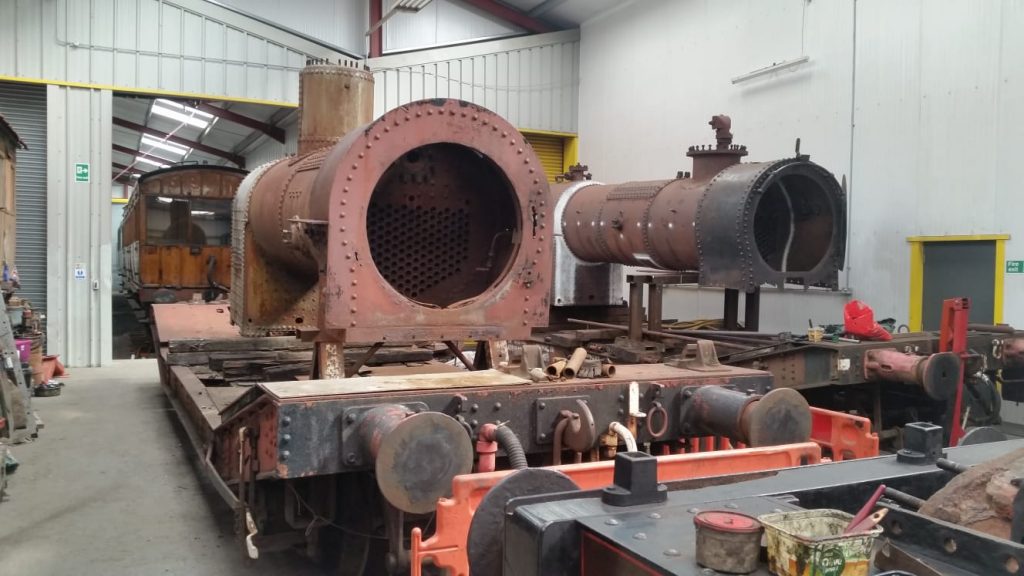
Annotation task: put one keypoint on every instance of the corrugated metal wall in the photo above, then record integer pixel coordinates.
(24, 106)
(532, 81)
(340, 22)
(177, 45)
(79, 130)
(442, 22)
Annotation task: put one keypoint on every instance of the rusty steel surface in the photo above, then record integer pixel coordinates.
(322, 429)
(334, 100)
(415, 455)
(186, 321)
(780, 417)
(431, 223)
(937, 374)
(739, 225)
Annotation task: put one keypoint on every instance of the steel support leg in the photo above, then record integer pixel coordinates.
(752, 310)
(636, 311)
(655, 292)
(732, 306)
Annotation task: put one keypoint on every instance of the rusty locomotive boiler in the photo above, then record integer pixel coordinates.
(433, 223)
(740, 225)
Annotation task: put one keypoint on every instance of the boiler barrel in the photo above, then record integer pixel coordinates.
(748, 224)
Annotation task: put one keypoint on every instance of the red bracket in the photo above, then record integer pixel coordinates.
(953, 338)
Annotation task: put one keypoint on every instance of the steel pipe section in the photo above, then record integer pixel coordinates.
(938, 374)
(431, 223)
(781, 416)
(740, 225)
(415, 455)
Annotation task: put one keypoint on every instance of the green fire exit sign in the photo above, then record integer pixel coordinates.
(1015, 266)
(82, 172)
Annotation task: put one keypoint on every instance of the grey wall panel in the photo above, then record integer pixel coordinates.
(79, 223)
(189, 46)
(24, 106)
(443, 22)
(339, 22)
(533, 81)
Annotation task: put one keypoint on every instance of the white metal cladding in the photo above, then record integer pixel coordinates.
(340, 22)
(79, 313)
(188, 46)
(532, 81)
(442, 22)
(24, 106)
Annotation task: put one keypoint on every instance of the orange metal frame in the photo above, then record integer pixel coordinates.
(841, 435)
(447, 547)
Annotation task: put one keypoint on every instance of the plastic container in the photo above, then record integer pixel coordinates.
(811, 543)
(16, 316)
(24, 347)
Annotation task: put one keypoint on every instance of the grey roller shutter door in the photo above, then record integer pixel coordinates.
(24, 107)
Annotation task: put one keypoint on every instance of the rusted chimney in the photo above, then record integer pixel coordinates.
(334, 99)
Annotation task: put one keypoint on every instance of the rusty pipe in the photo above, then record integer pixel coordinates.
(739, 224)
(556, 368)
(572, 365)
(415, 454)
(781, 416)
(938, 373)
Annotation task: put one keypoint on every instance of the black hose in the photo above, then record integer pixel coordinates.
(509, 442)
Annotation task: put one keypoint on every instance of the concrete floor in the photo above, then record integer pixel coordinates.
(111, 487)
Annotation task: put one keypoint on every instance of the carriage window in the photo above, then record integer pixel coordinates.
(212, 218)
(195, 222)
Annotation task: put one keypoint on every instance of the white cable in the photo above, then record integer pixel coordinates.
(792, 226)
(624, 433)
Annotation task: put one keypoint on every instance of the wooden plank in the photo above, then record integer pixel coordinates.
(187, 358)
(239, 344)
(376, 384)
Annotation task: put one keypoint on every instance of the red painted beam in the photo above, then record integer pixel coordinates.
(238, 160)
(377, 36)
(511, 15)
(275, 132)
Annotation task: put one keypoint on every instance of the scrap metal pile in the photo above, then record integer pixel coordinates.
(434, 225)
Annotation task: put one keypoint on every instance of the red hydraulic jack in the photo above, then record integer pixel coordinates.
(953, 338)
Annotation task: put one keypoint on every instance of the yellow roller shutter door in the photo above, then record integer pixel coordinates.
(550, 149)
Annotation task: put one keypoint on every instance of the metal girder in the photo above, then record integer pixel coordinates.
(376, 34)
(238, 160)
(123, 169)
(133, 152)
(511, 15)
(275, 132)
(544, 7)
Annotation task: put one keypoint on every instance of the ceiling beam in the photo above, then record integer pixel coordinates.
(511, 15)
(238, 160)
(544, 7)
(118, 167)
(132, 152)
(275, 132)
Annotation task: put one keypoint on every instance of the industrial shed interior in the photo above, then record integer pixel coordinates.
(511, 287)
